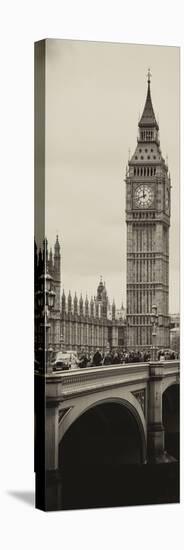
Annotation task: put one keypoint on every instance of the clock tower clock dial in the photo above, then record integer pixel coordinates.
(144, 196)
(148, 219)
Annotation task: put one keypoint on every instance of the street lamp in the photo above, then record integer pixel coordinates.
(45, 302)
(154, 322)
(127, 331)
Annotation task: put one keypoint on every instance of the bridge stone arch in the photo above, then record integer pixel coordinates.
(138, 388)
(122, 397)
(168, 382)
(171, 417)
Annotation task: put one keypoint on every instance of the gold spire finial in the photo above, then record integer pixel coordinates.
(149, 76)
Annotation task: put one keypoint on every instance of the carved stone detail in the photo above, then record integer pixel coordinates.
(140, 396)
(62, 413)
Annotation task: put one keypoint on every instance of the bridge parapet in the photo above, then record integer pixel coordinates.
(77, 381)
(63, 385)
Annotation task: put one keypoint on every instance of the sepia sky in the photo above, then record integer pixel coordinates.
(95, 93)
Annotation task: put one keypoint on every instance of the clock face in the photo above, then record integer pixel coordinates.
(144, 196)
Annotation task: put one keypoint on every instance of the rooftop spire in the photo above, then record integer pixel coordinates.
(57, 247)
(148, 118)
(149, 76)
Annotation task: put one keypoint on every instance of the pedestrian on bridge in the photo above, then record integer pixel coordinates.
(97, 358)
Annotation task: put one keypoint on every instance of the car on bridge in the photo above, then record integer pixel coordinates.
(65, 361)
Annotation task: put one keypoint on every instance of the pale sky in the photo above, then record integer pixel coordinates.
(95, 93)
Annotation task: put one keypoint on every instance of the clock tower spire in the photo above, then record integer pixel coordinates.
(148, 126)
(148, 219)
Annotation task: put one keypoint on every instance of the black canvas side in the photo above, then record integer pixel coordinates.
(39, 227)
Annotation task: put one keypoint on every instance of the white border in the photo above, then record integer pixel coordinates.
(22, 23)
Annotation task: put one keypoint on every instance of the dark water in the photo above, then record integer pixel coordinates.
(112, 487)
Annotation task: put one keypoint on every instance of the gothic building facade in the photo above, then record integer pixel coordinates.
(148, 204)
(83, 324)
(76, 323)
(48, 263)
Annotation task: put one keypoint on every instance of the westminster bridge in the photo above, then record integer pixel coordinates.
(134, 393)
(111, 415)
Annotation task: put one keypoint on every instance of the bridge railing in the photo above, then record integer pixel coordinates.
(91, 379)
(124, 367)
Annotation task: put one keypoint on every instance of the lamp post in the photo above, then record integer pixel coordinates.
(154, 322)
(127, 332)
(45, 302)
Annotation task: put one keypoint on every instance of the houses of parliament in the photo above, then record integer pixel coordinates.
(79, 323)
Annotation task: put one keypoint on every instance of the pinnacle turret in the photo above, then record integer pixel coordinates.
(45, 251)
(100, 289)
(63, 302)
(57, 247)
(113, 311)
(75, 304)
(69, 302)
(86, 306)
(148, 119)
(81, 305)
(92, 307)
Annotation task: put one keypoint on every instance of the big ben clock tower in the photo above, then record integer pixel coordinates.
(148, 189)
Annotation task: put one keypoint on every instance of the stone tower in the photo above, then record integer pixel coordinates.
(57, 273)
(102, 299)
(148, 190)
